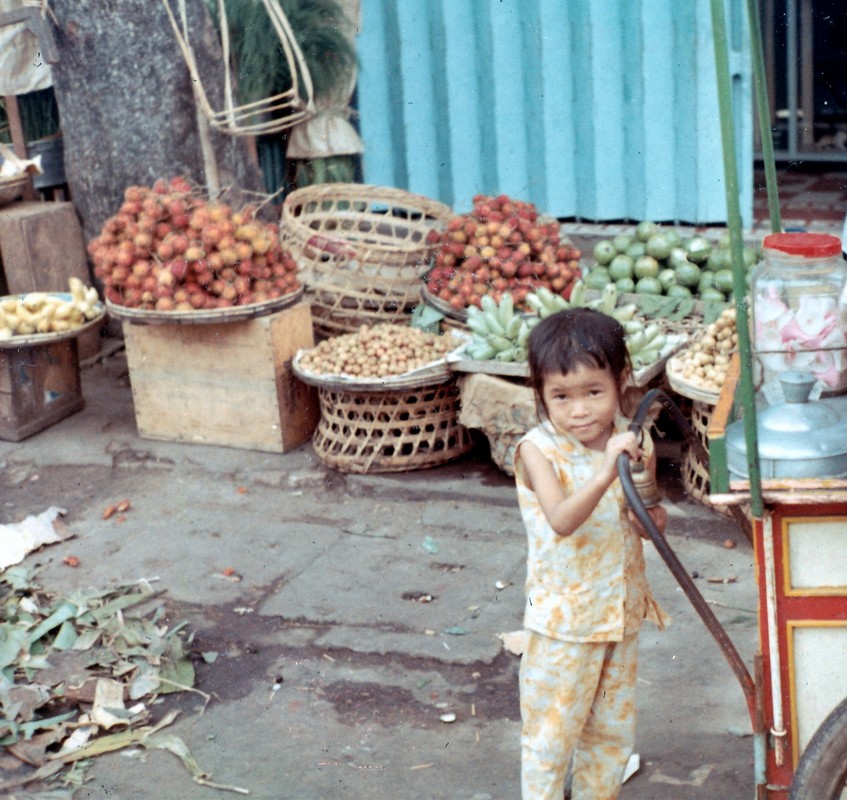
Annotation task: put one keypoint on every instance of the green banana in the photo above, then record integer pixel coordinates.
(635, 343)
(632, 326)
(478, 324)
(645, 358)
(659, 342)
(506, 309)
(534, 303)
(624, 313)
(523, 334)
(499, 342)
(608, 298)
(578, 293)
(544, 295)
(506, 355)
(492, 320)
(514, 327)
(480, 350)
(488, 304)
(651, 332)
(520, 354)
(551, 303)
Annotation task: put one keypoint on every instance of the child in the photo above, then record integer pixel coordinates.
(586, 588)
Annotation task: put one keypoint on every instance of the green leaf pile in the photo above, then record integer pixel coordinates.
(54, 651)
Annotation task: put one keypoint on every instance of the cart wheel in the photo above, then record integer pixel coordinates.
(822, 771)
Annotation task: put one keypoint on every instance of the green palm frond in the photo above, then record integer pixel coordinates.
(262, 68)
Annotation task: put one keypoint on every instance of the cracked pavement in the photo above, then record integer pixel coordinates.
(358, 611)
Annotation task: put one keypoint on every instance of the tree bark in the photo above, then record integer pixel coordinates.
(127, 105)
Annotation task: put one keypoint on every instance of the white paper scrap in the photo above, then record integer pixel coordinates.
(20, 538)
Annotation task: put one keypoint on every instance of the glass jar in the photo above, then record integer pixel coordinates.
(798, 312)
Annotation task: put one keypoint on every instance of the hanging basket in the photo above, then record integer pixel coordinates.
(269, 115)
(361, 251)
(390, 430)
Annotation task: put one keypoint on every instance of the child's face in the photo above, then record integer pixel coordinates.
(583, 403)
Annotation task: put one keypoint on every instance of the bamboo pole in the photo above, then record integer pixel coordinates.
(730, 168)
(760, 84)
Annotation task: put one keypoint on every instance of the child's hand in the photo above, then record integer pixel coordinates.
(621, 443)
(658, 514)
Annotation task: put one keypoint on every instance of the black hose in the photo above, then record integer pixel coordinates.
(666, 552)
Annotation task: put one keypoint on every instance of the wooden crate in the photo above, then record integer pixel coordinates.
(39, 385)
(41, 248)
(226, 383)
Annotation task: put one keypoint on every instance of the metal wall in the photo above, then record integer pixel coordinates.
(592, 109)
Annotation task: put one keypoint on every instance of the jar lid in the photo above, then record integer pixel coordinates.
(808, 245)
(800, 428)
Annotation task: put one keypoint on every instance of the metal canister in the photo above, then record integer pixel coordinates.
(645, 484)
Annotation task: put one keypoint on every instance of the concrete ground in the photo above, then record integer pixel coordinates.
(332, 608)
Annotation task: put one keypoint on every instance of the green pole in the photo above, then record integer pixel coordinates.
(736, 245)
(763, 105)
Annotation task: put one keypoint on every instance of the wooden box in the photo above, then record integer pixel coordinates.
(227, 383)
(39, 385)
(41, 248)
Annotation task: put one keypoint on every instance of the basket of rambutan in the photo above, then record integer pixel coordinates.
(170, 255)
(361, 250)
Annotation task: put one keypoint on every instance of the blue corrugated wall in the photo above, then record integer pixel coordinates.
(592, 109)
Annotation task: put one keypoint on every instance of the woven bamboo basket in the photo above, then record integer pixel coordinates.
(695, 475)
(390, 430)
(361, 251)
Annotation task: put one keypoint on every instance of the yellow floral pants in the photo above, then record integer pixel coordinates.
(577, 699)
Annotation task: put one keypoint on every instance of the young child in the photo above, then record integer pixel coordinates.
(586, 590)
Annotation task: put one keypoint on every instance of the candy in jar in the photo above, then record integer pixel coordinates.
(798, 312)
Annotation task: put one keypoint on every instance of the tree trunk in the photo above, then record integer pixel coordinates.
(127, 106)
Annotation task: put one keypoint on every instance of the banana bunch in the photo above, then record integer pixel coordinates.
(544, 302)
(499, 332)
(644, 342)
(42, 312)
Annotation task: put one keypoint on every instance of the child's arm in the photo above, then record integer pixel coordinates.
(566, 513)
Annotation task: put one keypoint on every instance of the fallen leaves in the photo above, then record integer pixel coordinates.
(73, 668)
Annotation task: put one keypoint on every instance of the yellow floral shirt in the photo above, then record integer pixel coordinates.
(590, 586)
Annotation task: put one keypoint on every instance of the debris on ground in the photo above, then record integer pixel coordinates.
(78, 675)
(20, 538)
(514, 641)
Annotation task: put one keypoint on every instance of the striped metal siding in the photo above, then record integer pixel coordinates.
(592, 109)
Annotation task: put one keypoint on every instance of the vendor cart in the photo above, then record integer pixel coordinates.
(796, 692)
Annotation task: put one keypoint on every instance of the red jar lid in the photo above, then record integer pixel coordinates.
(807, 245)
